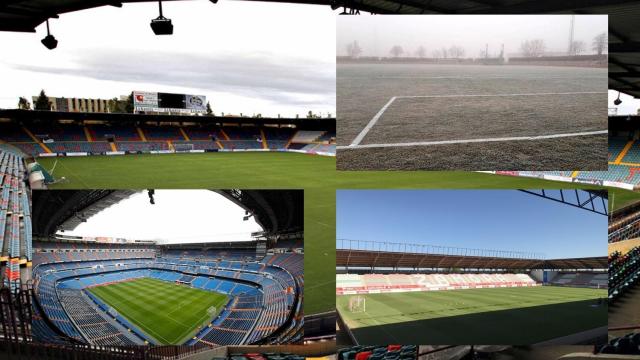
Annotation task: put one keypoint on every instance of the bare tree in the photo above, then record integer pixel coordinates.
(456, 52)
(444, 52)
(533, 48)
(421, 52)
(578, 47)
(354, 50)
(600, 43)
(436, 54)
(396, 51)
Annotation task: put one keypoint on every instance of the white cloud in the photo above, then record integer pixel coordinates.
(178, 216)
(248, 57)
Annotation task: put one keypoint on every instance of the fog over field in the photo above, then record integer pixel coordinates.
(376, 35)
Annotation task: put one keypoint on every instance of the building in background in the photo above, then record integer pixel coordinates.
(77, 104)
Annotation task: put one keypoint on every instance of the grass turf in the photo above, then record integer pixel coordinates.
(167, 312)
(475, 316)
(363, 89)
(315, 174)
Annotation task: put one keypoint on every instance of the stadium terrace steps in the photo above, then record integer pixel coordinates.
(306, 136)
(625, 228)
(15, 218)
(261, 304)
(379, 283)
(97, 328)
(99, 139)
(598, 280)
(118, 133)
(624, 273)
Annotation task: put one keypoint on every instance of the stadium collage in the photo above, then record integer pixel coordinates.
(192, 180)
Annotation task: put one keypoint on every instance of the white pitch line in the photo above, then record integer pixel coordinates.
(377, 116)
(372, 122)
(495, 95)
(446, 142)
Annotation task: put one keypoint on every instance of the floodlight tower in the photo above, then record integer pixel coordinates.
(573, 19)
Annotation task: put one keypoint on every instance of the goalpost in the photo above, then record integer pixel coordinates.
(182, 147)
(357, 304)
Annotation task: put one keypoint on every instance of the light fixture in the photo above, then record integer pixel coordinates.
(161, 25)
(49, 41)
(617, 101)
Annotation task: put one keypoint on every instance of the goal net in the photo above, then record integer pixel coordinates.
(182, 147)
(212, 310)
(357, 304)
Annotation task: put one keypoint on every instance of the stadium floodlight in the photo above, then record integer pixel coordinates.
(49, 41)
(617, 101)
(161, 25)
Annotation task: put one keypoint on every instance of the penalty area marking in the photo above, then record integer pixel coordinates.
(356, 142)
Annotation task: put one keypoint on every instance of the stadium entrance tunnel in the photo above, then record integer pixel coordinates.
(115, 291)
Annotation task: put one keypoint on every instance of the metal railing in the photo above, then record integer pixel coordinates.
(407, 248)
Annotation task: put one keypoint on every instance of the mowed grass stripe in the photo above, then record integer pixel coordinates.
(398, 307)
(491, 316)
(169, 313)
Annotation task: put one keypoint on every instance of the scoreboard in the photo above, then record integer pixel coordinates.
(145, 101)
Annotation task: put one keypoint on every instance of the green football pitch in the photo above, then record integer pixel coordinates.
(475, 316)
(167, 312)
(315, 174)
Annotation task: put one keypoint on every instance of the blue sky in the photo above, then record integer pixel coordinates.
(481, 219)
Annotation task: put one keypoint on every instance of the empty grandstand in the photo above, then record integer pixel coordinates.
(423, 293)
(15, 219)
(623, 159)
(41, 134)
(624, 276)
(139, 292)
(443, 297)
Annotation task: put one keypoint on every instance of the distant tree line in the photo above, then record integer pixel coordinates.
(528, 48)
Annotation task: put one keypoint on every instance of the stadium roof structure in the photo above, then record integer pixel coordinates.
(274, 210)
(386, 259)
(43, 116)
(624, 35)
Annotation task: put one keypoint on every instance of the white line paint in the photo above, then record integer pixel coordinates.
(372, 122)
(377, 116)
(447, 142)
(497, 95)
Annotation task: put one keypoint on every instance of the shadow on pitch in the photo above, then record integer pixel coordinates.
(520, 326)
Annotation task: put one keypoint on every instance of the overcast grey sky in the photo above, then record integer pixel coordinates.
(178, 216)
(234, 52)
(377, 34)
(629, 105)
